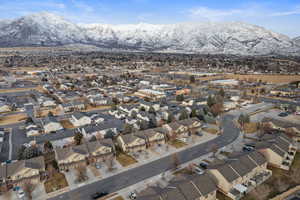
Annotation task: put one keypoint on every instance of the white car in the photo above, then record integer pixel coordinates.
(21, 194)
(132, 195)
(199, 171)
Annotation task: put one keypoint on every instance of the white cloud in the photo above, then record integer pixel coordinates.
(295, 11)
(212, 14)
(82, 6)
(240, 13)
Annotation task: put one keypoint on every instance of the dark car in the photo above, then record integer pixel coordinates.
(99, 194)
(283, 114)
(203, 165)
(247, 148)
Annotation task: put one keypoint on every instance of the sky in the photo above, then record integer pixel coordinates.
(282, 16)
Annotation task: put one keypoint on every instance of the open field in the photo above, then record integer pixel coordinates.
(39, 88)
(12, 119)
(92, 108)
(265, 78)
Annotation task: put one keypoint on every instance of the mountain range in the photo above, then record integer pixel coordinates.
(47, 29)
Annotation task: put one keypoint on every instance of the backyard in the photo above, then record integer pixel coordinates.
(279, 182)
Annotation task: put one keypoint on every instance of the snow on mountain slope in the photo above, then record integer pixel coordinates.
(229, 37)
(40, 29)
(297, 41)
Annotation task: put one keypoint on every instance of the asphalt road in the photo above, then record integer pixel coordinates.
(138, 174)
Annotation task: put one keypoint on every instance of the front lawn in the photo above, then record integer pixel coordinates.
(211, 130)
(125, 159)
(177, 143)
(67, 124)
(118, 198)
(56, 182)
(250, 127)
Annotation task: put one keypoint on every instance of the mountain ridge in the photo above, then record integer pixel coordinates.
(47, 29)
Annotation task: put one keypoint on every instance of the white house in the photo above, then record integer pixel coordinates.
(50, 124)
(79, 119)
(4, 108)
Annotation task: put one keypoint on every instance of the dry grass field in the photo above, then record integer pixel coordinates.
(12, 119)
(276, 79)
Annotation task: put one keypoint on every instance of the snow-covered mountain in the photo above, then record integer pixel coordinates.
(297, 40)
(229, 38)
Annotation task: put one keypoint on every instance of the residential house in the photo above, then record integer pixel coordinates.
(131, 143)
(100, 149)
(78, 105)
(152, 137)
(51, 124)
(193, 124)
(22, 171)
(72, 156)
(240, 174)
(278, 149)
(67, 107)
(147, 105)
(4, 107)
(47, 102)
(177, 130)
(291, 129)
(100, 101)
(79, 119)
(197, 187)
(32, 130)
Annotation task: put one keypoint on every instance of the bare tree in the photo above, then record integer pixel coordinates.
(81, 174)
(175, 160)
(110, 164)
(214, 149)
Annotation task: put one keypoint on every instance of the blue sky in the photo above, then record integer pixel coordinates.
(282, 16)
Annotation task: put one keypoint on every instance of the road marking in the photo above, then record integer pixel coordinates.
(10, 145)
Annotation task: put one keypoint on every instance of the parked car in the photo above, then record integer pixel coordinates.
(250, 145)
(21, 193)
(99, 194)
(283, 114)
(248, 148)
(197, 170)
(97, 165)
(132, 195)
(203, 165)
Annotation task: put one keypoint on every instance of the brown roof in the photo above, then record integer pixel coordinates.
(188, 122)
(204, 183)
(64, 153)
(129, 138)
(172, 193)
(150, 193)
(10, 169)
(229, 174)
